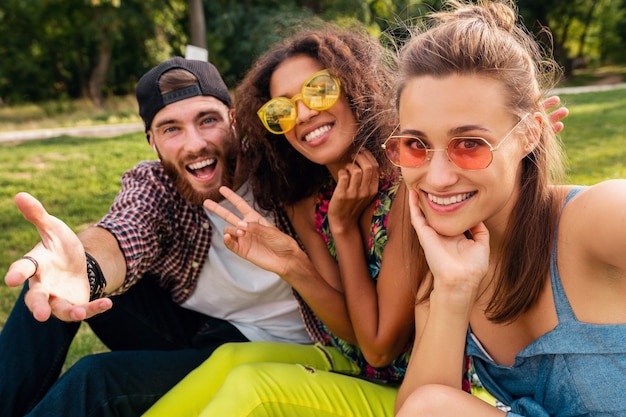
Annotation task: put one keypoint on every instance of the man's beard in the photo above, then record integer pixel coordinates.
(226, 158)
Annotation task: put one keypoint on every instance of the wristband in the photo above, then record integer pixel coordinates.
(97, 282)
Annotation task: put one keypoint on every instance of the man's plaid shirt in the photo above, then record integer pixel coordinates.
(161, 234)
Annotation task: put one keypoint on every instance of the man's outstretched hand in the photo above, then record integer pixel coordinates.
(55, 269)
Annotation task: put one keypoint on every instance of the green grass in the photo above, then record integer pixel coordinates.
(595, 136)
(66, 113)
(77, 178)
(595, 76)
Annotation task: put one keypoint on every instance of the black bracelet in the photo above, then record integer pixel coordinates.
(97, 282)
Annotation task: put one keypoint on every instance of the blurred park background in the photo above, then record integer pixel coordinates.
(97, 49)
(76, 62)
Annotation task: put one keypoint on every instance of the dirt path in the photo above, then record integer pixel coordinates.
(84, 131)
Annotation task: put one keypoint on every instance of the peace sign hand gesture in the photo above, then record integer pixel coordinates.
(253, 237)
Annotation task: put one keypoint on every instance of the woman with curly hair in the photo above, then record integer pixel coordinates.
(309, 113)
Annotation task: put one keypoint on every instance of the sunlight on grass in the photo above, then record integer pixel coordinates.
(64, 113)
(590, 76)
(595, 136)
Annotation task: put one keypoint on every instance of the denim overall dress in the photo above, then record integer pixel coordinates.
(576, 369)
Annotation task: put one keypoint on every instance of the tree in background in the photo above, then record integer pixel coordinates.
(239, 33)
(58, 49)
(197, 24)
(584, 32)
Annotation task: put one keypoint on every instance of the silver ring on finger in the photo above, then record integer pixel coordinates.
(34, 261)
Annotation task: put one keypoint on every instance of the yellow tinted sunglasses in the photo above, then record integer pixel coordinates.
(319, 92)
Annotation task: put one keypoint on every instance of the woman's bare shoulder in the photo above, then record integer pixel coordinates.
(594, 221)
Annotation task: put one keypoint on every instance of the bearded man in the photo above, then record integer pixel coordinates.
(153, 277)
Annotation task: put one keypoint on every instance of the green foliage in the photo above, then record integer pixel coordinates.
(582, 32)
(610, 35)
(235, 40)
(53, 46)
(50, 48)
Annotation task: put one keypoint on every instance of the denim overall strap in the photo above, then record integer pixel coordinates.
(564, 310)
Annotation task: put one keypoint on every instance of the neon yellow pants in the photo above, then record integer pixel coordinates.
(275, 379)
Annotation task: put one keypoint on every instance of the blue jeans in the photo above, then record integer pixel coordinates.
(154, 343)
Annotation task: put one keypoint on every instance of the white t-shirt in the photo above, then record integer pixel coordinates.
(258, 302)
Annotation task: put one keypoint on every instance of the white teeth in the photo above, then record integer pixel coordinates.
(201, 164)
(317, 133)
(449, 200)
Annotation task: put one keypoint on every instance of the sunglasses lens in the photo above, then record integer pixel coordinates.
(470, 153)
(405, 151)
(280, 115)
(321, 92)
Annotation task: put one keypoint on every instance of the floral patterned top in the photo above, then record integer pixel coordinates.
(393, 373)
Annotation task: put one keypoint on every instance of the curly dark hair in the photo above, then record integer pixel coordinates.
(280, 174)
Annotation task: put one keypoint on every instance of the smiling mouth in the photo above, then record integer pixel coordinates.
(202, 169)
(317, 133)
(446, 201)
